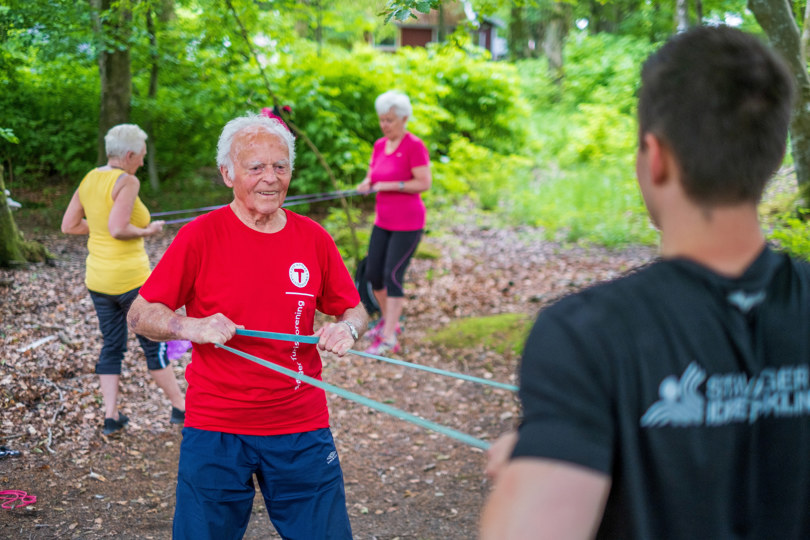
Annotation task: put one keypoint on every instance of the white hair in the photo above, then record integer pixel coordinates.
(251, 123)
(396, 101)
(124, 138)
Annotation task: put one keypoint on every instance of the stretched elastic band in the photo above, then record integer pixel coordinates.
(313, 339)
(292, 200)
(393, 411)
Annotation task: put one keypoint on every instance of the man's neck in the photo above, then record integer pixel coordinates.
(725, 239)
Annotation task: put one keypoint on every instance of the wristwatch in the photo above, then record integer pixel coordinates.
(401, 186)
(352, 329)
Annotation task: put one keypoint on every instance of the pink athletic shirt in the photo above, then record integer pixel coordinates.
(397, 211)
(272, 282)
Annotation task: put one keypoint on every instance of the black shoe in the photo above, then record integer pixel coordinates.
(178, 416)
(111, 425)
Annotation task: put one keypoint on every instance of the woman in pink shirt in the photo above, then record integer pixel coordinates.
(398, 172)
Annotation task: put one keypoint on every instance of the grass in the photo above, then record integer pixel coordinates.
(584, 204)
(500, 333)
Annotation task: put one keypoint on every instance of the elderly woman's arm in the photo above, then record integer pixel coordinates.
(73, 221)
(124, 194)
(337, 337)
(159, 323)
(420, 182)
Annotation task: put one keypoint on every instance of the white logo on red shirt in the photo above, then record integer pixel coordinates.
(299, 275)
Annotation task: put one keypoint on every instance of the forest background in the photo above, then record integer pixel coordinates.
(544, 137)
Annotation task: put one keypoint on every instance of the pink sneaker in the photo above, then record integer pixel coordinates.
(376, 332)
(381, 348)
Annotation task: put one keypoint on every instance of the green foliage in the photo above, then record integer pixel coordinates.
(56, 123)
(584, 140)
(485, 176)
(793, 236)
(337, 226)
(8, 135)
(402, 10)
(502, 333)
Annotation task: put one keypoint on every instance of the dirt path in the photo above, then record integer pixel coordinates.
(401, 481)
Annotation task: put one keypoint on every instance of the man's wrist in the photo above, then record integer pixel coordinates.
(352, 329)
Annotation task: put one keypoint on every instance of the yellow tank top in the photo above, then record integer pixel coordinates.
(113, 266)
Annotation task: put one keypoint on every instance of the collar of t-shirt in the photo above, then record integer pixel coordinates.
(746, 291)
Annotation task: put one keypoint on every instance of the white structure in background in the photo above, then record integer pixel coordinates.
(12, 204)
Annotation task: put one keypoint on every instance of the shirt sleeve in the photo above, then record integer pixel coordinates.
(338, 292)
(564, 392)
(418, 155)
(172, 281)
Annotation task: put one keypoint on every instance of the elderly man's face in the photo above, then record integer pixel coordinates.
(261, 173)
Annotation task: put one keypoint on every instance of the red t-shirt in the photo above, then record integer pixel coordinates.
(271, 282)
(397, 211)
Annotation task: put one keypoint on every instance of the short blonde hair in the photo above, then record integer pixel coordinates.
(124, 138)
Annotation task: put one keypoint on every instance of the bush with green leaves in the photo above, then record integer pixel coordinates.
(584, 140)
(793, 235)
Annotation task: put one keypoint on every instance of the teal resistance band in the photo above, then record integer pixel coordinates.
(313, 339)
(402, 415)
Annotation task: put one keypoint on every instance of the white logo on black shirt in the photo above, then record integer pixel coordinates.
(299, 275)
(681, 404)
(730, 398)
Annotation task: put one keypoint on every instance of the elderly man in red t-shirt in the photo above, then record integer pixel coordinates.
(253, 264)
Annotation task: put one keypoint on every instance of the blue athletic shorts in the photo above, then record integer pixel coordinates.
(299, 476)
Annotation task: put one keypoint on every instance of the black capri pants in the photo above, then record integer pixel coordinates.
(112, 321)
(389, 253)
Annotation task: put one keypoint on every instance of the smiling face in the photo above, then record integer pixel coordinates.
(392, 125)
(261, 175)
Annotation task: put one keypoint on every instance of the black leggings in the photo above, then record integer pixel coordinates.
(389, 253)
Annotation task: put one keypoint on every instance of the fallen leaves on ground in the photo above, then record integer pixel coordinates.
(401, 480)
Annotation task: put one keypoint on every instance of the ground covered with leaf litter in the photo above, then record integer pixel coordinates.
(401, 480)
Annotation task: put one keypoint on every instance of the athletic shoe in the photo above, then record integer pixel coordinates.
(178, 416)
(111, 425)
(381, 348)
(376, 332)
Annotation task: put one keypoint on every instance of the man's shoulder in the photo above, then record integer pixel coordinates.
(305, 224)
(635, 285)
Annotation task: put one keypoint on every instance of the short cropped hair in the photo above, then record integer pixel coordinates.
(251, 123)
(395, 100)
(124, 138)
(721, 101)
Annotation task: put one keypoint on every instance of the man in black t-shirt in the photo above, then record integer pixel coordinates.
(675, 402)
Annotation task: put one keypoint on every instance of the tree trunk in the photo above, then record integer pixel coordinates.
(682, 15)
(776, 18)
(806, 30)
(113, 31)
(554, 36)
(442, 30)
(518, 34)
(151, 161)
(14, 250)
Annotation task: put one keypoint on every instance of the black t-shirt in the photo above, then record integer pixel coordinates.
(691, 390)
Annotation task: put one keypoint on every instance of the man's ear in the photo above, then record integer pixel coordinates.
(223, 170)
(659, 158)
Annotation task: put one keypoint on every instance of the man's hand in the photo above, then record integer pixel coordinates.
(499, 453)
(216, 328)
(335, 337)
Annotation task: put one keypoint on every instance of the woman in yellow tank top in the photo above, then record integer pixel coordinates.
(106, 206)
